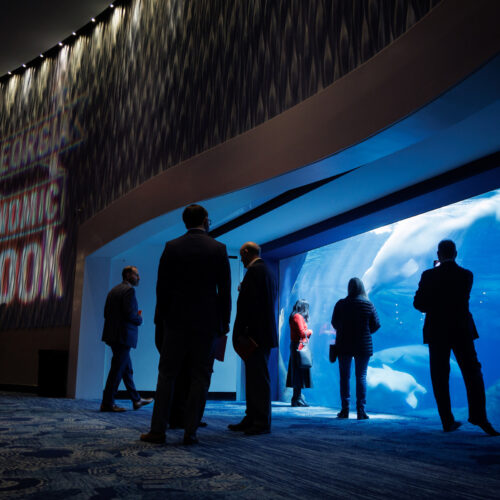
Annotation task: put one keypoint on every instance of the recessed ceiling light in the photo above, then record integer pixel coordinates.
(93, 19)
(60, 44)
(41, 55)
(9, 72)
(74, 33)
(24, 65)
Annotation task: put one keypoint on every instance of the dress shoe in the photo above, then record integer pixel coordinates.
(242, 426)
(153, 437)
(299, 402)
(112, 408)
(486, 426)
(362, 415)
(255, 430)
(142, 402)
(344, 413)
(452, 427)
(190, 439)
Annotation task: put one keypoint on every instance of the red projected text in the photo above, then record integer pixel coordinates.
(37, 143)
(30, 210)
(31, 237)
(33, 271)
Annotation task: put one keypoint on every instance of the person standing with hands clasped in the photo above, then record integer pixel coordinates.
(121, 324)
(298, 376)
(254, 335)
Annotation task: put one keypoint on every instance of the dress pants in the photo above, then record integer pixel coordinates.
(465, 354)
(193, 351)
(121, 368)
(361, 366)
(258, 389)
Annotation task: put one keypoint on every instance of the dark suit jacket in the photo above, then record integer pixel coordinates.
(121, 318)
(355, 319)
(193, 291)
(443, 294)
(255, 313)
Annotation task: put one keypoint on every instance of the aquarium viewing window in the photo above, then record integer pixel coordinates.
(390, 260)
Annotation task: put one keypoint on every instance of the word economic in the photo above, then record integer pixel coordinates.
(32, 271)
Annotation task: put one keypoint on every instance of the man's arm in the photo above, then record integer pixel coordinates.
(336, 315)
(161, 285)
(421, 299)
(374, 321)
(130, 308)
(470, 279)
(107, 307)
(245, 300)
(159, 334)
(224, 292)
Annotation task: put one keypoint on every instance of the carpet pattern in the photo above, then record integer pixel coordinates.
(61, 448)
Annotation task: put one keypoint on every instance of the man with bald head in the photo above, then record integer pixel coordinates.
(255, 324)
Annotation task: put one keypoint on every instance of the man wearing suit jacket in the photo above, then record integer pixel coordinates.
(443, 294)
(121, 322)
(256, 323)
(193, 294)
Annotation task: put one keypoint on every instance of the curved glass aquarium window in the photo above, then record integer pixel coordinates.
(390, 261)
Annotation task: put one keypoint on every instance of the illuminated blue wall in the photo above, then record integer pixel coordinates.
(390, 261)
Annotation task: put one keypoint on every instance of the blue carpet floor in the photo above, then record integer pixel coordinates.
(67, 449)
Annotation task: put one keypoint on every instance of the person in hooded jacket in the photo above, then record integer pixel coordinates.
(355, 320)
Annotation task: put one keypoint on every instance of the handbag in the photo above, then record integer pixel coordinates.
(304, 355)
(332, 355)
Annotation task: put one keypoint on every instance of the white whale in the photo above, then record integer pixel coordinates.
(414, 355)
(395, 381)
(411, 241)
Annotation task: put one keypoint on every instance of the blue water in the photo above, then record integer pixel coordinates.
(390, 261)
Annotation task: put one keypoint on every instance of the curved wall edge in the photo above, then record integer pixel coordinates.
(448, 44)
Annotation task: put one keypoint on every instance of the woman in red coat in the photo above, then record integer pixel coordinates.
(298, 377)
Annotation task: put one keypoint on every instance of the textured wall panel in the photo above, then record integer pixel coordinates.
(160, 82)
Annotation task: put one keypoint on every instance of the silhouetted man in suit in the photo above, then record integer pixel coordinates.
(443, 294)
(256, 323)
(193, 295)
(121, 322)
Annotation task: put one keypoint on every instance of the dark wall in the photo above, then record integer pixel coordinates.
(155, 85)
(19, 355)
